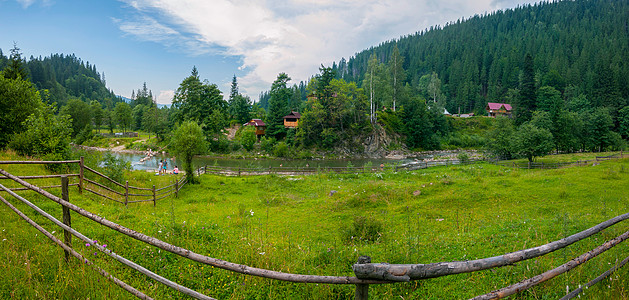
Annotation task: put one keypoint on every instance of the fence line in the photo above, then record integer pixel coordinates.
(104, 250)
(104, 273)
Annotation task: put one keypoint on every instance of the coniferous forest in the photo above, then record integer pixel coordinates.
(563, 66)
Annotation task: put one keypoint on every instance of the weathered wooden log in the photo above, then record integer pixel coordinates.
(115, 280)
(31, 162)
(102, 195)
(43, 187)
(526, 284)
(596, 280)
(67, 236)
(42, 176)
(238, 268)
(162, 188)
(139, 188)
(406, 272)
(115, 256)
(81, 174)
(101, 175)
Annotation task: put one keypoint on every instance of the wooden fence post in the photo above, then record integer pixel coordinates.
(81, 164)
(65, 195)
(362, 289)
(176, 188)
(154, 196)
(126, 193)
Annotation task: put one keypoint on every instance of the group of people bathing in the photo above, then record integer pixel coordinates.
(162, 168)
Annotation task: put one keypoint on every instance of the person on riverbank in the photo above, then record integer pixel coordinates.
(160, 167)
(165, 167)
(176, 170)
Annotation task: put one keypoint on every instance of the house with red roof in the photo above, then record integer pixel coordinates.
(259, 125)
(498, 109)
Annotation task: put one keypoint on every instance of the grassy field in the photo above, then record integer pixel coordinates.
(299, 225)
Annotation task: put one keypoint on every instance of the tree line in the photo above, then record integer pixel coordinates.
(562, 66)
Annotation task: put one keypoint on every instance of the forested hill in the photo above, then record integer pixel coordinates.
(65, 77)
(578, 47)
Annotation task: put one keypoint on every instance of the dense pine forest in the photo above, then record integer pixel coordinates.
(578, 48)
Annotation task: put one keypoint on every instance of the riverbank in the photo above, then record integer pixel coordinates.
(391, 155)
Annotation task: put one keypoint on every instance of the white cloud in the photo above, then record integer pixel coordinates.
(292, 36)
(27, 3)
(165, 97)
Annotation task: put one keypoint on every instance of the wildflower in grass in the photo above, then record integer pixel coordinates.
(251, 211)
(87, 244)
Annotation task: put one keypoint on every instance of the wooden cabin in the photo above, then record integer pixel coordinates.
(292, 120)
(259, 125)
(498, 109)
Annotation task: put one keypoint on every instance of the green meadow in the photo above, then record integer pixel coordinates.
(321, 224)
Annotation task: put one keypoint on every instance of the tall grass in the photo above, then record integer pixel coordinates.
(294, 224)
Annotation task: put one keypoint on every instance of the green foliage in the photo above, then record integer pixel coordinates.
(463, 157)
(500, 139)
(278, 107)
(114, 167)
(362, 229)
(530, 141)
(200, 102)
(46, 136)
(623, 120)
(422, 126)
(15, 69)
(267, 144)
(84, 135)
(247, 137)
(188, 140)
(281, 150)
(79, 113)
(123, 115)
(18, 100)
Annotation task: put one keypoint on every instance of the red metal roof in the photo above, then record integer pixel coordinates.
(495, 106)
(256, 123)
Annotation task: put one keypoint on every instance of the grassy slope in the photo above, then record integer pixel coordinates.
(293, 225)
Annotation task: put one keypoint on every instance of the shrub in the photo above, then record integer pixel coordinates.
(281, 150)
(114, 167)
(267, 144)
(247, 137)
(46, 136)
(363, 229)
(463, 157)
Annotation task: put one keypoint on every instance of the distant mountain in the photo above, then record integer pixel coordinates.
(578, 47)
(65, 77)
(125, 99)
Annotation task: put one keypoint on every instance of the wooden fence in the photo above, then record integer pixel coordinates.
(366, 273)
(107, 188)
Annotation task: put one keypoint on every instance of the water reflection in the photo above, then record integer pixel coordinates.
(152, 163)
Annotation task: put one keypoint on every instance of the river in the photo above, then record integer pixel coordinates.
(151, 164)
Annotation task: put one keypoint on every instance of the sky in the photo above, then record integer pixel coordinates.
(159, 41)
